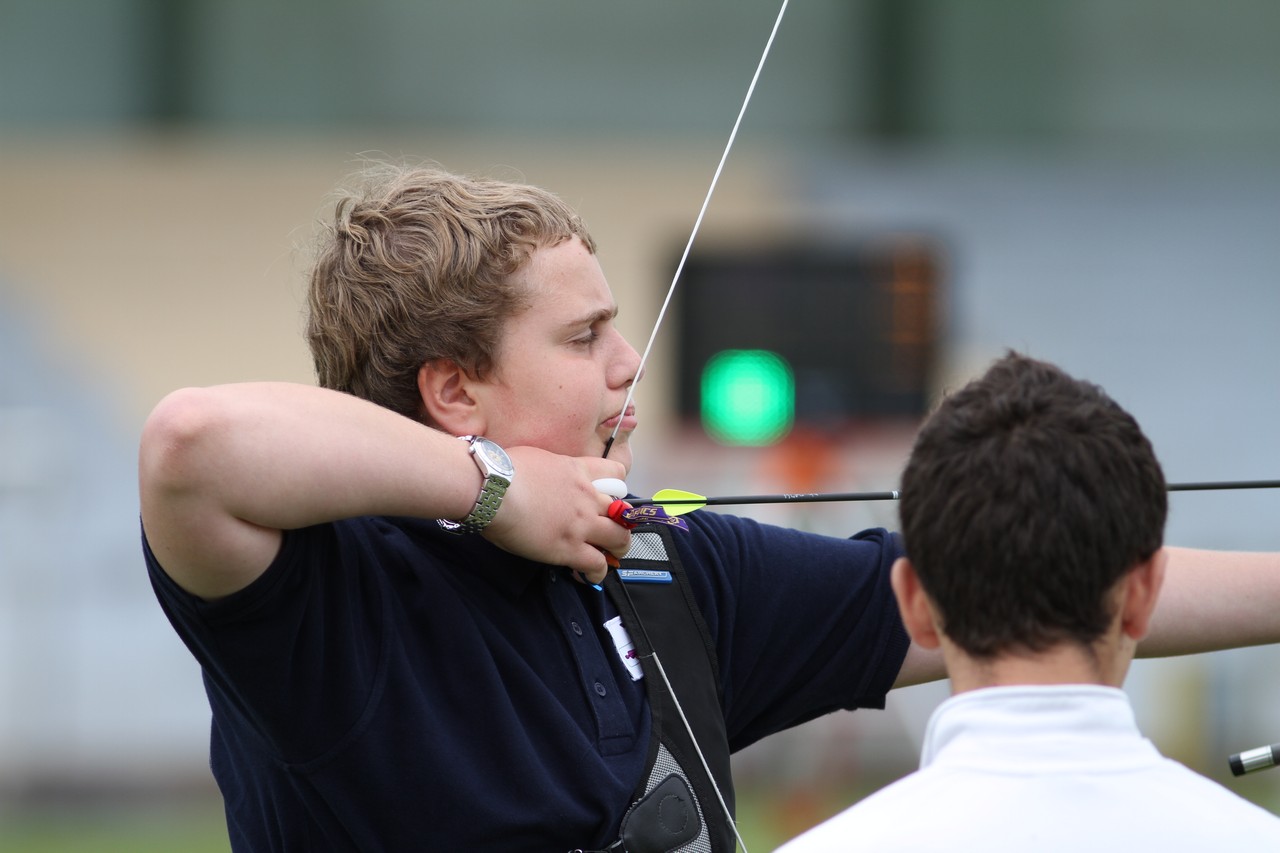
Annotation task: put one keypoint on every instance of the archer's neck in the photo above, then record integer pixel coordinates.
(1105, 664)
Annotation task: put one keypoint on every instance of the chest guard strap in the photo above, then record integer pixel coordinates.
(675, 796)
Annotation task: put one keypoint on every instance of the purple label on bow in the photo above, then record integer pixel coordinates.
(654, 514)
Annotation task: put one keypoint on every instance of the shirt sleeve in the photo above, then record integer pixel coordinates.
(803, 624)
(303, 634)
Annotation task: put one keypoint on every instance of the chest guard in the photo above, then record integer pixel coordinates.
(675, 807)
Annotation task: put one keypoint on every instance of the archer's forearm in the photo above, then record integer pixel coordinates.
(283, 456)
(1215, 600)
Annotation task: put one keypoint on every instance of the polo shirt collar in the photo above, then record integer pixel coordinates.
(507, 572)
(1049, 725)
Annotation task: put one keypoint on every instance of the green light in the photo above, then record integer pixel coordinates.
(748, 397)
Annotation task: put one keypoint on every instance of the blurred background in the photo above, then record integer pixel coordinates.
(917, 186)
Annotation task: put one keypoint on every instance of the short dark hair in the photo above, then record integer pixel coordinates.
(1028, 495)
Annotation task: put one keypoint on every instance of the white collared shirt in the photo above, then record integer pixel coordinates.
(1044, 768)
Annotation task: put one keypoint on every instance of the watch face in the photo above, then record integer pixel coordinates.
(495, 456)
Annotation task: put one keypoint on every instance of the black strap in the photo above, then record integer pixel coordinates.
(665, 618)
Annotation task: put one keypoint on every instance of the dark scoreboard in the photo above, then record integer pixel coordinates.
(857, 324)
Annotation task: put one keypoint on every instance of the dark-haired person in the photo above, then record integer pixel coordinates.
(1033, 512)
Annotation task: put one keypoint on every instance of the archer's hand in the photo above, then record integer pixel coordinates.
(553, 514)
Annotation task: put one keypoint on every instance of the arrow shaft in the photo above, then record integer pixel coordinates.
(828, 497)
(1228, 484)
(733, 500)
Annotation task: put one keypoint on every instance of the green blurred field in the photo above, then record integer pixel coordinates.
(765, 822)
(200, 829)
(191, 829)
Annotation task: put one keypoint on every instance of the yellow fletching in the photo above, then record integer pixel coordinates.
(688, 501)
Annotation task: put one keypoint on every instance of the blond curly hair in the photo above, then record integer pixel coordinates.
(417, 265)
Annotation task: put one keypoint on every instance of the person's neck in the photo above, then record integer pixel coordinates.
(1062, 664)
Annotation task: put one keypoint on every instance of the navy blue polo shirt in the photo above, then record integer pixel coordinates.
(387, 686)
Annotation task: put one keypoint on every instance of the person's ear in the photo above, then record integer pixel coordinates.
(914, 605)
(1141, 590)
(447, 402)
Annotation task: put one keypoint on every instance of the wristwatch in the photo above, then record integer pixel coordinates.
(498, 472)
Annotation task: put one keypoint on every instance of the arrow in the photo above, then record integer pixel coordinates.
(679, 502)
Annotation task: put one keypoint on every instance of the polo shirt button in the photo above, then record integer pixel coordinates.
(600, 691)
(577, 629)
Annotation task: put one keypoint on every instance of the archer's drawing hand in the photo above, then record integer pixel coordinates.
(554, 514)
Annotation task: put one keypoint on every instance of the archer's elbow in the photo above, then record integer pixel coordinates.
(175, 450)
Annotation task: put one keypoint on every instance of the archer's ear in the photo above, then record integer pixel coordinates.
(446, 400)
(1141, 591)
(914, 605)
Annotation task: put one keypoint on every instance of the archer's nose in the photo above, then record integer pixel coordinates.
(629, 368)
